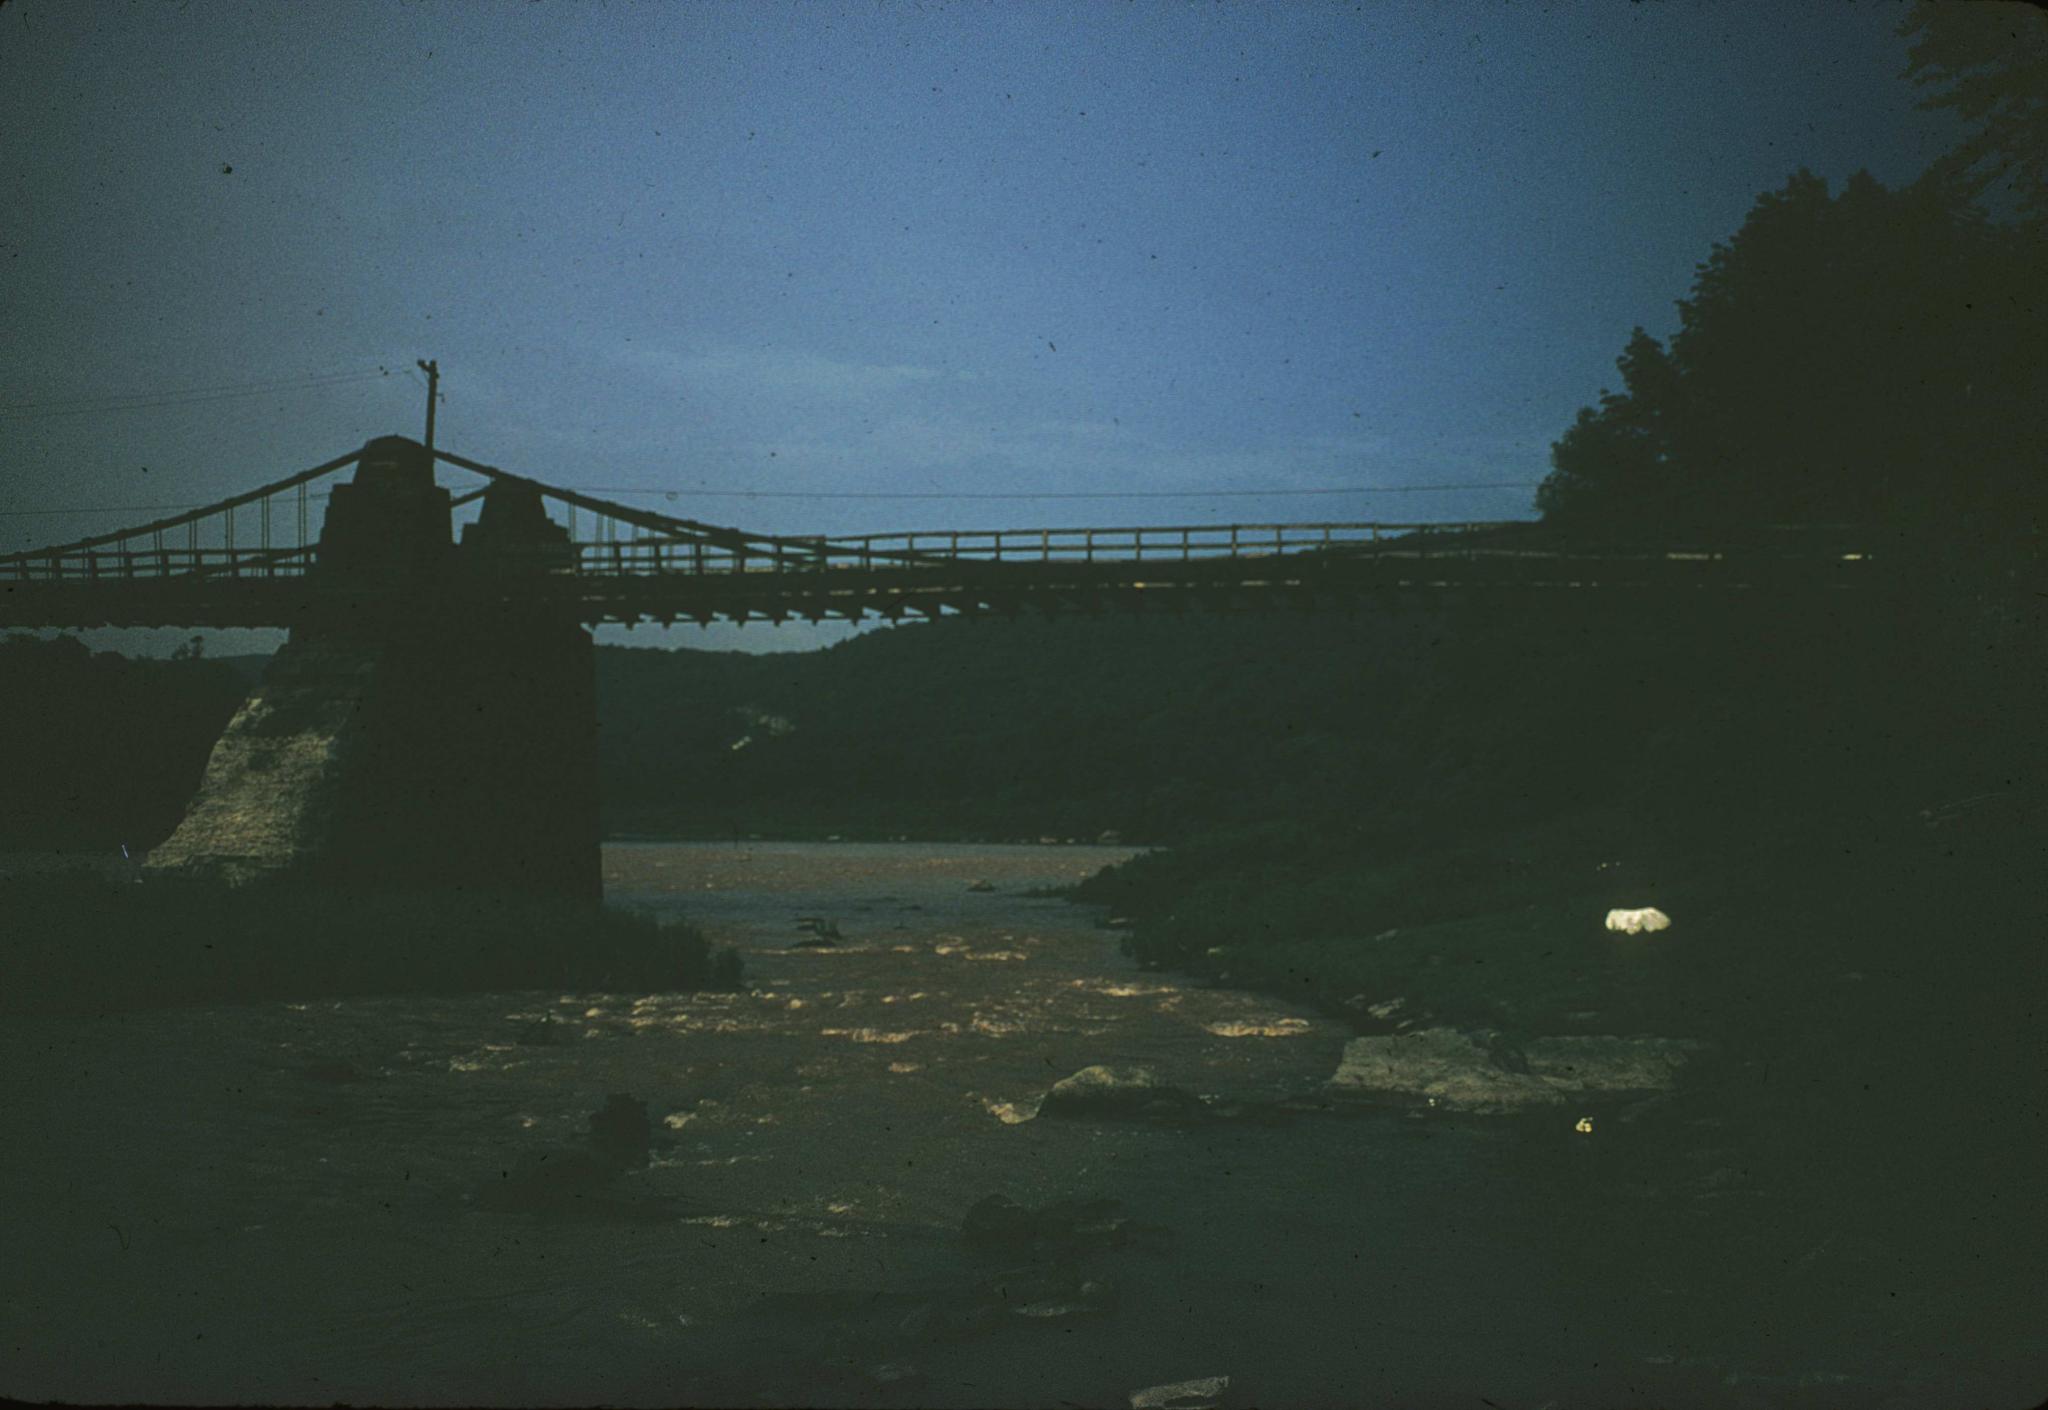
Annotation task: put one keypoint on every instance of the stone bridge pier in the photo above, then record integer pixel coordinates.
(433, 725)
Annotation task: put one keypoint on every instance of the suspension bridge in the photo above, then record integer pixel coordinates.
(296, 551)
(432, 719)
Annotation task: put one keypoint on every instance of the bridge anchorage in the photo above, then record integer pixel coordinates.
(431, 720)
(427, 724)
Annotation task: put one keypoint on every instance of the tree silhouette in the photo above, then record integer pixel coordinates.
(1616, 463)
(1871, 355)
(1988, 63)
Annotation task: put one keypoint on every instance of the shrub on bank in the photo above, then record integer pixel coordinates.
(83, 942)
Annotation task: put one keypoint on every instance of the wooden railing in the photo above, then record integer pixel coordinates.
(953, 547)
(95, 565)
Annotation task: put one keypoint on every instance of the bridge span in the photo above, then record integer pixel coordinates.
(431, 720)
(256, 559)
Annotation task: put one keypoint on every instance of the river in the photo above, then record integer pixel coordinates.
(280, 1202)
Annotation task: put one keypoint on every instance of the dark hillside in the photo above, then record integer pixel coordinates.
(1069, 727)
(97, 750)
(1604, 749)
(1398, 726)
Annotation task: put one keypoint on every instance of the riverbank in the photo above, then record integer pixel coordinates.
(303, 1203)
(1867, 1094)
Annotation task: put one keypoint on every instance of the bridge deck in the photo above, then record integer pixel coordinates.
(252, 560)
(609, 586)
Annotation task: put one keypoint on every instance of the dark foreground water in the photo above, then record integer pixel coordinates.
(278, 1203)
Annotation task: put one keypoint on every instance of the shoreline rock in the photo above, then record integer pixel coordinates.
(1119, 1092)
(1479, 1072)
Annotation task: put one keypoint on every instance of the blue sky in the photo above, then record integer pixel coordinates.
(941, 249)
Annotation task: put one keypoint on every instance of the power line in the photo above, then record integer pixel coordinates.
(1053, 494)
(165, 402)
(258, 385)
(191, 396)
(880, 494)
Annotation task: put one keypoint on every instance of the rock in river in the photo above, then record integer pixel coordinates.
(1118, 1092)
(552, 1181)
(998, 1224)
(619, 1131)
(1064, 1229)
(1478, 1072)
(1205, 1393)
(563, 1179)
(1598, 1063)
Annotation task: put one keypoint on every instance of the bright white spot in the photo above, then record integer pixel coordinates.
(1584, 1126)
(1639, 920)
(677, 1120)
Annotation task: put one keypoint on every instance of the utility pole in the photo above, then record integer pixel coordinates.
(432, 367)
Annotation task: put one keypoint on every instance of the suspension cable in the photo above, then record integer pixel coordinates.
(190, 517)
